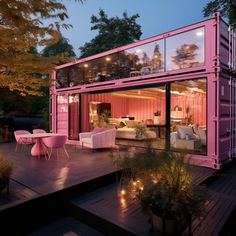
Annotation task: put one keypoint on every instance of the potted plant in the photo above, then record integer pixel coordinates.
(104, 118)
(172, 199)
(157, 118)
(162, 183)
(6, 168)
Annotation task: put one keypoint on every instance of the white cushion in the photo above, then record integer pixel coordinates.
(184, 131)
(195, 129)
(202, 135)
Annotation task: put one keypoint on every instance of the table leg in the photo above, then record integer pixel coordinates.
(39, 148)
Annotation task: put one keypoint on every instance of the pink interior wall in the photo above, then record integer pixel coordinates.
(119, 106)
(143, 109)
(196, 103)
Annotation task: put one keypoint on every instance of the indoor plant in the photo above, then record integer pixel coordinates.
(104, 118)
(6, 168)
(157, 117)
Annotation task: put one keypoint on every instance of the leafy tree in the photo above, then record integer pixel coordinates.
(112, 32)
(23, 27)
(62, 46)
(226, 7)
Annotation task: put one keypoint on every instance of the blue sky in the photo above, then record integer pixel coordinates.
(156, 16)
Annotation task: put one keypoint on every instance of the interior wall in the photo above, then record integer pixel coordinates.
(196, 104)
(119, 106)
(143, 109)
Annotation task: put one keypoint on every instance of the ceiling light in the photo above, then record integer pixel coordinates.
(108, 58)
(85, 65)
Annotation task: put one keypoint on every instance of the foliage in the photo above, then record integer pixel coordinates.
(157, 113)
(173, 195)
(162, 182)
(6, 166)
(112, 32)
(12, 103)
(62, 46)
(23, 26)
(227, 8)
(104, 118)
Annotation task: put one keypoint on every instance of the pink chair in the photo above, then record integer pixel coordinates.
(55, 142)
(22, 141)
(39, 131)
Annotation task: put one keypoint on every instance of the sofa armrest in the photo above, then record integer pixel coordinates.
(85, 135)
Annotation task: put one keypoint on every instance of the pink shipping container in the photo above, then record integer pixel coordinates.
(188, 75)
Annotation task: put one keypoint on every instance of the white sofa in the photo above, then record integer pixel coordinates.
(188, 137)
(102, 139)
(126, 129)
(130, 133)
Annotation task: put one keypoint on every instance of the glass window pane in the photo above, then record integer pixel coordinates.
(144, 59)
(185, 50)
(129, 109)
(73, 117)
(188, 116)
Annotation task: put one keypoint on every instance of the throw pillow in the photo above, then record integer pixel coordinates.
(195, 129)
(185, 130)
(202, 135)
(121, 124)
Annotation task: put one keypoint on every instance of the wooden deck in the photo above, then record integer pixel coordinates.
(126, 218)
(43, 186)
(35, 177)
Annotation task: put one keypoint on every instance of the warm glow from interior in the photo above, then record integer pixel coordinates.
(85, 65)
(108, 58)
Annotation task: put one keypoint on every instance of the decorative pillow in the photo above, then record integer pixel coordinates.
(185, 132)
(121, 124)
(98, 130)
(202, 135)
(195, 129)
(131, 123)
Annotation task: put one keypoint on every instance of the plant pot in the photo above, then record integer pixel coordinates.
(4, 183)
(167, 226)
(157, 120)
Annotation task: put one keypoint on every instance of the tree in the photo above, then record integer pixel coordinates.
(62, 46)
(23, 27)
(227, 8)
(112, 32)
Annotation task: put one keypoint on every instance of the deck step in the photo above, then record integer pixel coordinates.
(104, 210)
(66, 226)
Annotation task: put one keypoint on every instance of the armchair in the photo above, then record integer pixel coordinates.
(102, 139)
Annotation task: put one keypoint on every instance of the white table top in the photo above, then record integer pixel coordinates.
(39, 135)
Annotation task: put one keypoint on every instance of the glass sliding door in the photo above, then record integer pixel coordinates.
(73, 132)
(129, 110)
(188, 116)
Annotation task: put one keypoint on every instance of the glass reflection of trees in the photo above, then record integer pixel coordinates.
(184, 50)
(186, 56)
